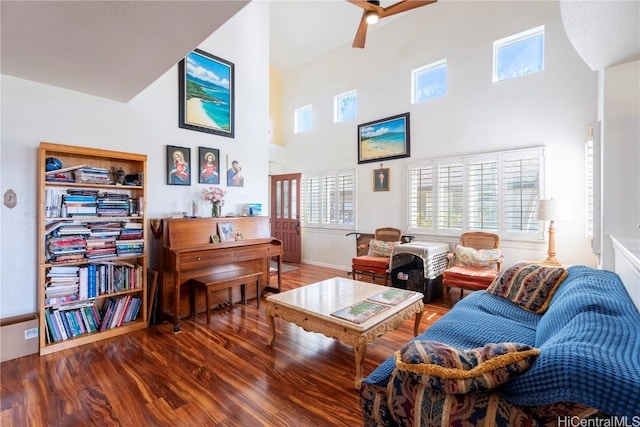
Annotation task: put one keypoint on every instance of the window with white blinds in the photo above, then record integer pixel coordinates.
(590, 186)
(328, 200)
(495, 192)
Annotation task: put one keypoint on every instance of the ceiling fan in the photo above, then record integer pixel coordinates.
(372, 12)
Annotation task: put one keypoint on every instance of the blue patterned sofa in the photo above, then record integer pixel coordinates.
(588, 364)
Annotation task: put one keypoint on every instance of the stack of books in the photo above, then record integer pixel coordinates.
(131, 230)
(91, 175)
(62, 284)
(66, 248)
(130, 247)
(113, 204)
(80, 203)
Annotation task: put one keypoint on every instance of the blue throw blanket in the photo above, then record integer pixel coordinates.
(590, 348)
(589, 340)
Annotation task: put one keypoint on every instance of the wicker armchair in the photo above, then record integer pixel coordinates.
(376, 263)
(471, 270)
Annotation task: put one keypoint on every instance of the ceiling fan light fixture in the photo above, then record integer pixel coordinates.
(372, 17)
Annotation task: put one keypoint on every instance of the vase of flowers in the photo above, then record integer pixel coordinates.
(214, 195)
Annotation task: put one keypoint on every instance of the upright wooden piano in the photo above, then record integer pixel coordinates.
(183, 249)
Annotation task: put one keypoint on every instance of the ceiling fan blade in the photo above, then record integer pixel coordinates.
(361, 34)
(366, 5)
(403, 6)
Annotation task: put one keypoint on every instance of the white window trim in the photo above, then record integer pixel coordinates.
(465, 160)
(336, 108)
(296, 118)
(416, 71)
(514, 39)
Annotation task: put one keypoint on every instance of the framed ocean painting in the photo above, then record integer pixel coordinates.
(206, 94)
(384, 139)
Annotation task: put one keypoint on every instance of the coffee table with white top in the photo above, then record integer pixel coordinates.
(311, 308)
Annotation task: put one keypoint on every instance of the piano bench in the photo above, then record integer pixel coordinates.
(225, 280)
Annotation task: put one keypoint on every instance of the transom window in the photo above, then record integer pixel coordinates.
(429, 81)
(495, 192)
(302, 119)
(328, 199)
(519, 54)
(345, 106)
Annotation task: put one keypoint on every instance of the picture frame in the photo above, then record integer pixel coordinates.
(215, 238)
(381, 179)
(206, 94)
(225, 231)
(235, 176)
(384, 139)
(208, 165)
(178, 165)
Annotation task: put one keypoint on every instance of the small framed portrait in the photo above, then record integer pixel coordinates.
(209, 165)
(381, 179)
(215, 238)
(178, 169)
(225, 230)
(235, 178)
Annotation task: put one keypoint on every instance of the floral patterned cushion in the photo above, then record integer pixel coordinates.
(470, 257)
(531, 286)
(381, 248)
(451, 370)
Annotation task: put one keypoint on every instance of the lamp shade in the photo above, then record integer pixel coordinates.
(553, 210)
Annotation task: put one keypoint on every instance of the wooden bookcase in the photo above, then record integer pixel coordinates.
(119, 276)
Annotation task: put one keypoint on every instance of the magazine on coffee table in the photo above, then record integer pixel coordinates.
(392, 296)
(360, 312)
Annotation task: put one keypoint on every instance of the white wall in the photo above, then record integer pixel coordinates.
(33, 112)
(620, 156)
(553, 108)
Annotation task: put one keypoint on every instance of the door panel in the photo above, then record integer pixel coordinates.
(285, 215)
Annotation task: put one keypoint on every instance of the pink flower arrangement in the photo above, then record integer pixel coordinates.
(215, 195)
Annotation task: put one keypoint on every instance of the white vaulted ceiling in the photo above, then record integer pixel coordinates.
(604, 33)
(112, 49)
(115, 49)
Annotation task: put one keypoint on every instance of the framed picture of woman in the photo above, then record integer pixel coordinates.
(178, 169)
(209, 162)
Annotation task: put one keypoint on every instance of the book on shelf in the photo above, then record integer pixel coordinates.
(392, 296)
(62, 170)
(360, 312)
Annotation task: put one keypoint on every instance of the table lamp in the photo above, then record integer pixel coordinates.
(552, 210)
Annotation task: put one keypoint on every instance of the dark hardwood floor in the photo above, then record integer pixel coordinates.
(218, 374)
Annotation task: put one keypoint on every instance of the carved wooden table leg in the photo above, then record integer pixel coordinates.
(359, 351)
(272, 325)
(416, 324)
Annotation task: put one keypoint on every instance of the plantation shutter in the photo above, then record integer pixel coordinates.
(311, 198)
(346, 201)
(421, 196)
(521, 191)
(482, 195)
(328, 199)
(450, 196)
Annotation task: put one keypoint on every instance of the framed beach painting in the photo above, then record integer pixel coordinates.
(206, 88)
(384, 139)
(178, 167)
(209, 165)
